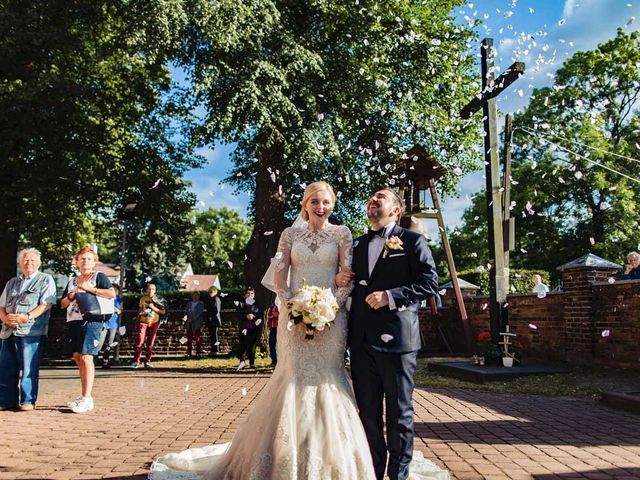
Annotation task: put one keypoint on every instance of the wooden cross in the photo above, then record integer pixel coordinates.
(499, 274)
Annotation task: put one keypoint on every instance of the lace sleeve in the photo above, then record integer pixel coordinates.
(282, 261)
(345, 246)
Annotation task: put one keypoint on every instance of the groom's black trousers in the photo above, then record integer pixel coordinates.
(389, 376)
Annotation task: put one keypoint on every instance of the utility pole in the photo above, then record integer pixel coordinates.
(491, 88)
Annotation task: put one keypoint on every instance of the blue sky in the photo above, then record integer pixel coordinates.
(540, 33)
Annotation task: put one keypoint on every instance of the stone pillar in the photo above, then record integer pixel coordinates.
(578, 277)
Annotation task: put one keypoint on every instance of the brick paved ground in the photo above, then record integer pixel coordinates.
(140, 415)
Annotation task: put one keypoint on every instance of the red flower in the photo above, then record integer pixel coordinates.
(484, 337)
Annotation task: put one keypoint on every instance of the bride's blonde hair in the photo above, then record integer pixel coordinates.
(311, 190)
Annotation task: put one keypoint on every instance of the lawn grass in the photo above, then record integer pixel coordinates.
(579, 382)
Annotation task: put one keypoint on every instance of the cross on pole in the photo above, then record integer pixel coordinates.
(491, 88)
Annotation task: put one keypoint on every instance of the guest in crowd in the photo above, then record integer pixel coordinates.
(272, 323)
(111, 329)
(632, 269)
(25, 306)
(249, 324)
(90, 295)
(151, 308)
(538, 286)
(213, 306)
(195, 318)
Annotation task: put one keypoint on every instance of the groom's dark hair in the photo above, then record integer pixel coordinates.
(397, 199)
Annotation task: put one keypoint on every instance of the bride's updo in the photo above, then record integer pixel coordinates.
(311, 190)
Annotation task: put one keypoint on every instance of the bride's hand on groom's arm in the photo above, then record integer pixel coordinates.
(344, 277)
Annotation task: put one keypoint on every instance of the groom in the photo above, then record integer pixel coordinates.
(394, 271)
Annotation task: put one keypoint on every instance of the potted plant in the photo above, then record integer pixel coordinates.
(487, 351)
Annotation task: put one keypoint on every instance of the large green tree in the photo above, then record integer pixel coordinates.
(89, 123)
(328, 90)
(219, 244)
(575, 164)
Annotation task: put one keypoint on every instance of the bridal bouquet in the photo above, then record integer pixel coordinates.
(314, 307)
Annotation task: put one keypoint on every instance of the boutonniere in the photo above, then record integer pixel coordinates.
(392, 243)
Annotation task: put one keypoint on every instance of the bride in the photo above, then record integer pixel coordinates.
(312, 430)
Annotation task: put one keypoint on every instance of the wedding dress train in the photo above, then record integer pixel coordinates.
(304, 425)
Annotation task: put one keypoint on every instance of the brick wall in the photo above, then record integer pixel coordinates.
(568, 325)
(168, 339)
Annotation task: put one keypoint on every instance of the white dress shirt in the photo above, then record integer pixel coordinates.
(376, 244)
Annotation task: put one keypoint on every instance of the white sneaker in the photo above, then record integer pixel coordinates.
(74, 402)
(84, 405)
(241, 365)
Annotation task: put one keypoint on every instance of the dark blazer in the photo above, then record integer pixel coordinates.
(213, 306)
(244, 310)
(410, 276)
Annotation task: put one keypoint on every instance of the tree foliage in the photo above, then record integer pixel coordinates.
(566, 196)
(218, 245)
(337, 90)
(89, 123)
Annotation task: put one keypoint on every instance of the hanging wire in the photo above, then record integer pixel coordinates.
(535, 133)
(589, 146)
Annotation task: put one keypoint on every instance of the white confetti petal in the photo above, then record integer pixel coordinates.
(363, 283)
(122, 330)
(270, 232)
(592, 240)
(442, 292)
(243, 392)
(186, 388)
(611, 280)
(532, 326)
(542, 294)
(95, 342)
(258, 322)
(183, 340)
(386, 338)
(244, 332)
(606, 333)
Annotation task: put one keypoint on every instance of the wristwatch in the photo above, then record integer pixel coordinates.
(29, 317)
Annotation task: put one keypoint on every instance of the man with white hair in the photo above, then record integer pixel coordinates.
(632, 270)
(25, 306)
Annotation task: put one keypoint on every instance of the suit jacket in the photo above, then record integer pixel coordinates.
(409, 275)
(245, 310)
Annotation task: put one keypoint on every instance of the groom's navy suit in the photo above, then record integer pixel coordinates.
(384, 344)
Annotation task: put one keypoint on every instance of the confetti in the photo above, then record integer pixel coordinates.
(532, 326)
(243, 392)
(183, 340)
(562, 21)
(442, 292)
(250, 301)
(270, 232)
(611, 280)
(606, 333)
(244, 332)
(95, 342)
(122, 330)
(230, 263)
(386, 338)
(290, 325)
(592, 240)
(363, 283)
(258, 322)
(542, 294)
(240, 365)
(186, 388)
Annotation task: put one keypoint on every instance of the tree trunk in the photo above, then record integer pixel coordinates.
(269, 217)
(8, 255)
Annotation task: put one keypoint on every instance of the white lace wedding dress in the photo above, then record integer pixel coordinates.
(304, 425)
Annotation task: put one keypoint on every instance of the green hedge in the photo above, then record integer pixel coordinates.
(519, 279)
